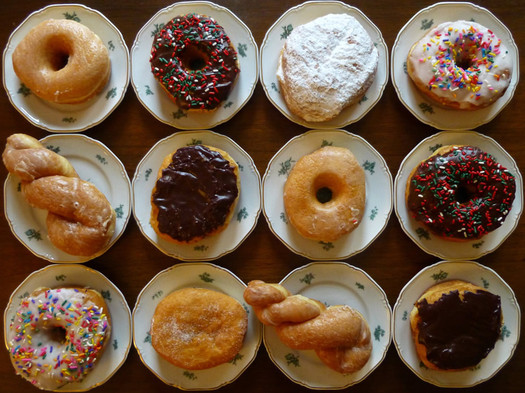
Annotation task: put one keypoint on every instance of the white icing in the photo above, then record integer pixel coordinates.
(326, 64)
(426, 54)
(39, 354)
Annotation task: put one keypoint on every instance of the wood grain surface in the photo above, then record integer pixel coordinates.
(392, 260)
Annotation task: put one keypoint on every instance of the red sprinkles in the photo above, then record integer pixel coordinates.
(461, 194)
(194, 61)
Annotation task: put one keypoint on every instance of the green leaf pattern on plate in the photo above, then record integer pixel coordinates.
(286, 31)
(206, 277)
(292, 359)
(242, 48)
(72, 16)
(307, 279)
(426, 24)
(378, 333)
(33, 234)
(24, 90)
(106, 295)
(188, 374)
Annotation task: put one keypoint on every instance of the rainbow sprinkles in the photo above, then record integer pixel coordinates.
(461, 64)
(56, 336)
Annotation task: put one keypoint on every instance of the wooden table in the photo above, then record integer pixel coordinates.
(392, 260)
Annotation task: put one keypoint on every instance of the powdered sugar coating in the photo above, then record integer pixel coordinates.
(326, 65)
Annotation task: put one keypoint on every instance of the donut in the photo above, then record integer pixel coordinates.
(324, 194)
(195, 62)
(455, 325)
(460, 65)
(339, 334)
(197, 328)
(58, 335)
(195, 195)
(325, 66)
(62, 61)
(460, 193)
(80, 220)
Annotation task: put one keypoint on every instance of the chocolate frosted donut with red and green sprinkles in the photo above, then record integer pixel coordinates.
(195, 62)
(460, 193)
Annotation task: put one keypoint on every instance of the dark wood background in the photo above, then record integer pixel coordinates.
(392, 260)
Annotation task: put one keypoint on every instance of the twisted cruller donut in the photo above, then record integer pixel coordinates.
(62, 61)
(80, 219)
(339, 334)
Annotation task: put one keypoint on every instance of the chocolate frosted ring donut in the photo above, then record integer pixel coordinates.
(194, 61)
(460, 193)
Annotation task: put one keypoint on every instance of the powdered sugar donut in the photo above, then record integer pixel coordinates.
(461, 65)
(325, 66)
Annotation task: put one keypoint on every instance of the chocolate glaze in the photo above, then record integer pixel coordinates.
(461, 194)
(195, 193)
(194, 60)
(459, 334)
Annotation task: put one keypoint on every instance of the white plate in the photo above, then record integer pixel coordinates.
(333, 283)
(378, 195)
(93, 162)
(245, 215)
(116, 352)
(69, 118)
(478, 275)
(157, 101)
(425, 110)
(299, 15)
(195, 275)
(442, 248)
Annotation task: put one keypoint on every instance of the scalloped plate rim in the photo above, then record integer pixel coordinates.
(352, 10)
(110, 108)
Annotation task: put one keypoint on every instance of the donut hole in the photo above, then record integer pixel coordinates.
(463, 61)
(56, 334)
(58, 53)
(323, 195)
(464, 193)
(192, 58)
(326, 187)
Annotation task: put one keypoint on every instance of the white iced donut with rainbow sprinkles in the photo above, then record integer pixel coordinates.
(57, 335)
(461, 65)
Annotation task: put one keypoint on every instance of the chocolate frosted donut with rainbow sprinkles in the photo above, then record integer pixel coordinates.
(461, 65)
(195, 62)
(460, 193)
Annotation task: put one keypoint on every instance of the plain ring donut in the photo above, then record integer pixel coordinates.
(62, 61)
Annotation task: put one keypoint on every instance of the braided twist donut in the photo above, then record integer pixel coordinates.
(339, 335)
(80, 219)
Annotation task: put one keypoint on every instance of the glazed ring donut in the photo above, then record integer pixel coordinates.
(80, 219)
(324, 195)
(195, 62)
(460, 193)
(62, 61)
(461, 65)
(57, 335)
